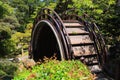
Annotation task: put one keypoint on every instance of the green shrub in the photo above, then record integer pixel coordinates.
(7, 68)
(56, 70)
(2, 73)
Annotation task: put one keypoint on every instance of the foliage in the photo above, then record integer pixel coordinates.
(24, 10)
(109, 21)
(7, 15)
(6, 47)
(5, 31)
(8, 25)
(105, 15)
(22, 40)
(5, 9)
(56, 70)
(7, 68)
(12, 22)
(63, 5)
(43, 4)
(104, 12)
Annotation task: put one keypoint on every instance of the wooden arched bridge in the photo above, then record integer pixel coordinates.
(68, 36)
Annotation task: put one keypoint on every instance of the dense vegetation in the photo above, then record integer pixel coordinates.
(7, 69)
(56, 70)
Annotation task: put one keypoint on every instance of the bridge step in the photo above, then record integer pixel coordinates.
(86, 56)
(89, 60)
(83, 50)
(70, 21)
(77, 39)
(82, 45)
(91, 64)
(76, 31)
(73, 25)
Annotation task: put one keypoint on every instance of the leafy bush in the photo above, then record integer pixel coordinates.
(56, 70)
(7, 68)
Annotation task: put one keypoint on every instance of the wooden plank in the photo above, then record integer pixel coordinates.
(72, 24)
(70, 21)
(76, 31)
(80, 39)
(83, 50)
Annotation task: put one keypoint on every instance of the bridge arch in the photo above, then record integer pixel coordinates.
(46, 41)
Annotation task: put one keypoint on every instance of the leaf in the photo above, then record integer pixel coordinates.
(99, 11)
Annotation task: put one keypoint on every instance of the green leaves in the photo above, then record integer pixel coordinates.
(5, 31)
(57, 70)
(5, 9)
(7, 68)
(99, 11)
(111, 2)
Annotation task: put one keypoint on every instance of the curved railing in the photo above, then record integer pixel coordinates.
(98, 37)
(95, 33)
(48, 14)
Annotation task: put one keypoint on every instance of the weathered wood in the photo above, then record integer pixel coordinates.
(84, 50)
(76, 31)
(80, 39)
(82, 45)
(71, 21)
(72, 24)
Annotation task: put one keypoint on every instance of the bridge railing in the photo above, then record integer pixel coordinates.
(94, 30)
(98, 39)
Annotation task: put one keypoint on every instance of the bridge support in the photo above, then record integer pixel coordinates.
(46, 41)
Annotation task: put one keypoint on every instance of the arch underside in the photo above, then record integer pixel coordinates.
(45, 42)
